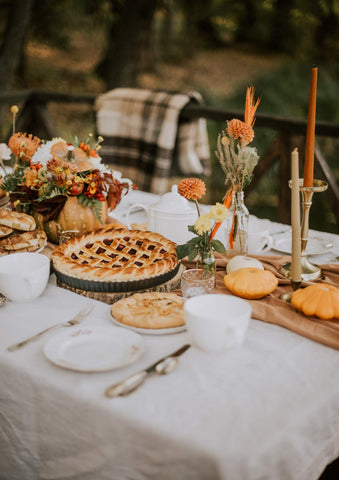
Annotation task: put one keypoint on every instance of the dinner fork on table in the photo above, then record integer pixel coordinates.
(70, 323)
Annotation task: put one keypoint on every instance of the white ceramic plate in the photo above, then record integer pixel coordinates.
(147, 331)
(316, 245)
(94, 349)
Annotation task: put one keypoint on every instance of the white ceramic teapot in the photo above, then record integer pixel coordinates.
(170, 216)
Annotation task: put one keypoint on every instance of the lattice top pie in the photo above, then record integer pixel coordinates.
(115, 255)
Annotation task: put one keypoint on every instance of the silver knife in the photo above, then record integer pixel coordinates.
(162, 366)
(74, 321)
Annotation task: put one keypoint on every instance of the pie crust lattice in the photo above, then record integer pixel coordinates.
(113, 259)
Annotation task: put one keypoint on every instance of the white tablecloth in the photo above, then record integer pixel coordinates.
(266, 410)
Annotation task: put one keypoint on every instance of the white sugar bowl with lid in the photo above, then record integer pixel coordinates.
(170, 216)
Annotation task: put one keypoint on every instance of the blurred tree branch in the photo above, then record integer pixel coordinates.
(13, 40)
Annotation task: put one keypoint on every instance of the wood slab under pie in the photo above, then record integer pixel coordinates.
(110, 298)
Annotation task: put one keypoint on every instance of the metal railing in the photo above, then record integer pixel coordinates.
(35, 118)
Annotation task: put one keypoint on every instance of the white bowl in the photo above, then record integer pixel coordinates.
(23, 276)
(216, 322)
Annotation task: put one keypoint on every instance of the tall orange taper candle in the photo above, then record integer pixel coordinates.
(295, 219)
(310, 134)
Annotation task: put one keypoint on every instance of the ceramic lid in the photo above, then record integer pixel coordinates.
(173, 202)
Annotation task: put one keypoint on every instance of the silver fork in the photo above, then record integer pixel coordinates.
(74, 321)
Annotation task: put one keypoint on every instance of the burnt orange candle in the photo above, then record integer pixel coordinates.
(310, 134)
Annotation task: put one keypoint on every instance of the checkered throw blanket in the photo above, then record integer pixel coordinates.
(144, 139)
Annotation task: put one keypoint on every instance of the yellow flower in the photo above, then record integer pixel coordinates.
(203, 224)
(219, 212)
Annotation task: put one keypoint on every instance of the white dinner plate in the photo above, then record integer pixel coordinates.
(316, 245)
(147, 331)
(94, 349)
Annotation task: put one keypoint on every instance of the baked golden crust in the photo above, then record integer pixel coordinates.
(153, 310)
(23, 240)
(16, 220)
(115, 255)
(4, 231)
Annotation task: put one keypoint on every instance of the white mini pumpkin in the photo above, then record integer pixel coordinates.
(240, 261)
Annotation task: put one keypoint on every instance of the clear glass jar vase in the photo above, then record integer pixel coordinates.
(237, 226)
(206, 261)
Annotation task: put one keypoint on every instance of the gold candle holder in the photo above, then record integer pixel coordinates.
(287, 296)
(309, 271)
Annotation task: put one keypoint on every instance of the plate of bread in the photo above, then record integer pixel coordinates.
(18, 233)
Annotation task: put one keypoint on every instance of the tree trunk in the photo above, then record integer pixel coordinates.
(282, 33)
(248, 20)
(327, 33)
(129, 42)
(14, 36)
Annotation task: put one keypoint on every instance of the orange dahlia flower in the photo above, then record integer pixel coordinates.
(23, 146)
(238, 129)
(192, 188)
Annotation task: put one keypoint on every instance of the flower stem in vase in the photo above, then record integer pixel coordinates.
(206, 261)
(237, 226)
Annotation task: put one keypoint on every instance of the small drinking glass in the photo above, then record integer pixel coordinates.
(196, 281)
(67, 235)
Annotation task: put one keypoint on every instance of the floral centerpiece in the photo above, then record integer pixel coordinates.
(63, 185)
(238, 160)
(202, 245)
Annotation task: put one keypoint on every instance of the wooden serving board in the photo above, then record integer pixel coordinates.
(110, 298)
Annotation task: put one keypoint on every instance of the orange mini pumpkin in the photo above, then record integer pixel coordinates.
(251, 283)
(319, 300)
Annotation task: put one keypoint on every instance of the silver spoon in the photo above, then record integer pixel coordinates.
(130, 384)
(162, 367)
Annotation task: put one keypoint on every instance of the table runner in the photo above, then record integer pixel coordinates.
(272, 309)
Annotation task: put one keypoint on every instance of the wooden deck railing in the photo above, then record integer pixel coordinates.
(290, 133)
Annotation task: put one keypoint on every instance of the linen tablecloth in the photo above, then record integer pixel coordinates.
(269, 409)
(266, 410)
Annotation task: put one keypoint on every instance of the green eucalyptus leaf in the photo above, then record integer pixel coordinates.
(218, 246)
(193, 252)
(182, 250)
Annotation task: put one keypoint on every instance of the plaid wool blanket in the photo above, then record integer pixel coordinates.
(144, 139)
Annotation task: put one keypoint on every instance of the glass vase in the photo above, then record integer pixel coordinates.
(237, 227)
(206, 261)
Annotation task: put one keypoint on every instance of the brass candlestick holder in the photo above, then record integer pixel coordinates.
(287, 296)
(309, 271)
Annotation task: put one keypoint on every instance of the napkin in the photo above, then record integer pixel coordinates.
(272, 309)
